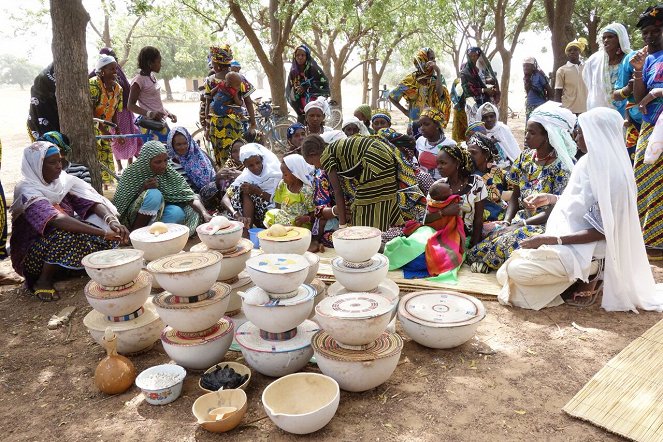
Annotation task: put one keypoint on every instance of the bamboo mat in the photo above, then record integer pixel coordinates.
(483, 286)
(626, 396)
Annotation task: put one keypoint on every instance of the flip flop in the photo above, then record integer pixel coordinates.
(46, 295)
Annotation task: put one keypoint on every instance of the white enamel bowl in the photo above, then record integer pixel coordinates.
(113, 268)
(155, 247)
(357, 244)
(201, 353)
(223, 239)
(164, 394)
(301, 403)
(182, 279)
(278, 274)
(193, 316)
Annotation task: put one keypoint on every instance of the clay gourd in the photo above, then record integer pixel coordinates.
(115, 374)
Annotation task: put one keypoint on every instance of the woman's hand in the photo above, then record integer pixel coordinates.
(206, 216)
(533, 202)
(452, 210)
(651, 96)
(250, 189)
(120, 230)
(172, 117)
(537, 241)
(111, 235)
(301, 220)
(638, 60)
(244, 220)
(151, 183)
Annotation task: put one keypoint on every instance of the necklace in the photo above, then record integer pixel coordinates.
(546, 158)
(320, 131)
(456, 188)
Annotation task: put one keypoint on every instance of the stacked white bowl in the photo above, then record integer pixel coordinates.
(118, 293)
(156, 245)
(193, 306)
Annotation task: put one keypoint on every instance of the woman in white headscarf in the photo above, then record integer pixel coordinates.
(601, 71)
(293, 196)
(315, 114)
(353, 126)
(543, 168)
(595, 218)
(249, 197)
(499, 131)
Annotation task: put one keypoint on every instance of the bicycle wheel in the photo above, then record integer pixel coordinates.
(278, 138)
(199, 136)
(336, 119)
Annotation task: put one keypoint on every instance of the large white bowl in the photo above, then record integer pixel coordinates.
(113, 268)
(358, 370)
(193, 316)
(280, 315)
(234, 261)
(301, 403)
(387, 288)
(440, 319)
(314, 264)
(198, 353)
(357, 243)
(223, 239)
(354, 319)
(361, 279)
(297, 241)
(133, 336)
(187, 274)
(167, 243)
(278, 274)
(321, 293)
(162, 394)
(119, 302)
(276, 358)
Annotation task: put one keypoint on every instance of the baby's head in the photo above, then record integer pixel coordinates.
(234, 80)
(439, 191)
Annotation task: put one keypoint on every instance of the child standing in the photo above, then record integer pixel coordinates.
(293, 196)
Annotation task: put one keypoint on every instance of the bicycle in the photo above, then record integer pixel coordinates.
(336, 114)
(273, 127)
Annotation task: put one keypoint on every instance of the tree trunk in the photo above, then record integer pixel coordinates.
(70, 20)
(558, 13)
(592, 34)
(504, 86)
(364, 83)
(335, 84)
(169, 91)
(276, 78)
(376, 77)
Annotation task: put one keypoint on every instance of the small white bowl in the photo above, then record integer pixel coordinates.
(223, 239)
(199, 353)
(439, 318)
(279, 315)
(193, 316)
(357, 243)
(187, 274)
(154, 246)
(314, 264)
(278, 274)
(296, 241)
(115, 267)
(161, 384)
(119, 302)
(361, 279)
(301, 403)
(354, 319)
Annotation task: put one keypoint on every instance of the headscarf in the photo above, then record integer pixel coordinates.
(531, 60)
(579, 43)
(307, 64)
(197, 165)
(476, 127)
(221, 54)
(365, 110)
(333, 135)
(319, 103)
(357, 122)
(104, 60)
(271, 168)
(293, 129)
(235, 64)
(300, 168)
(558, 123)
(501, 132)
(474, 50)
(653, 15)
(121, 77)
(488, 146)
(420, 59)
(605, 175)
(32, 187)
(465, 163)
(384, 115)
(171, 183)
(401, 141)
(433, 114)
(56, 138)
(596, 73)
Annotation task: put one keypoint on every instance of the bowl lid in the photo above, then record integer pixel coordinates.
(305, 293)
(232, 228)
(175, 337)
(293, 234)
(388, 344)
(387, 288)
(174, 231)
(439, 308)
(354, 306)
(184, 262)
(356, 232)
(217, 293)
(105, 259)
(95, 290)
(243, 246)
(377, 262)
(98, 322)
(248, 336)
(274, 263)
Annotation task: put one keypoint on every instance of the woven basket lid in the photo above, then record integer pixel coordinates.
(98, 321)
(441, 308)
(217, 293)
(174, 231)
(293, 234)
(305, 293)
(376, 262)
(248, 336)
(356, 232)
(184, 262)
(106, 259)
(354, 306)
(278, 263)
(95, 290)
(388, 344)
(174, 337)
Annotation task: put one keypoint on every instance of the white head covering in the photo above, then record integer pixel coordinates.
(559, 123)
(357, 122)
(104, 60)
(605, 175)
(596, 73)
(271, 168)
(333, 135)
(320, 103)
(501, 132)
(33, 188)
(300, 168)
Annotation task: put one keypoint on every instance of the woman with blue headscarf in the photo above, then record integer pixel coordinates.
(184, 150)
(295, 137)
(306, 81)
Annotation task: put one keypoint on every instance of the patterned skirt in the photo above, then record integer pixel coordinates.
(494, 251)
(260, 205)
(459, 125)
(105, 157)
(3, 224)
(223, 131)
(126, 148)
(649, 179)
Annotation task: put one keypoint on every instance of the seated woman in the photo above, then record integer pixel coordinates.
(47, 239)
(499, 132)
(212, 194)
(485, 156)
(184, 151)
(431, 122)
(151, 190)
(544, 168)
(295, 138)
(314, 114)
(249, 197)
(600, 198)
(62, 142)
(352, 126)
(380, 120)
(293, 196)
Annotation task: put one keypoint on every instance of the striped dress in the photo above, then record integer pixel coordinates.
(373, 166)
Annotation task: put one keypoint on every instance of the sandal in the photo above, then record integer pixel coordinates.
(46, 295)
(480, 267)
(588, 297)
